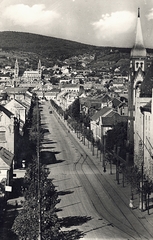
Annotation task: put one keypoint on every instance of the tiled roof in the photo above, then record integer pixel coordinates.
(15, 103)
(25, 104)
(116, 102)
(113, 118)
(70, 86)
(55, 90)
(16, 90)
(105, 98)
(100, 113)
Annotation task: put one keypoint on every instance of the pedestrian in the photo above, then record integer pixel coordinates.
(131, 204)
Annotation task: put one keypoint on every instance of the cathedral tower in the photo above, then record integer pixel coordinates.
(137, 71)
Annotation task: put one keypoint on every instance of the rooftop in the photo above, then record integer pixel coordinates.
(5, 157)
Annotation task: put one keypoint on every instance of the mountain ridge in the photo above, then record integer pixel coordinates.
(12, 40)
(29, 47)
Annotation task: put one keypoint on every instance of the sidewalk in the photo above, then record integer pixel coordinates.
(123, 192)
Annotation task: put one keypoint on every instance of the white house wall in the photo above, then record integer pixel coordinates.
(143, 129)
(7, 126)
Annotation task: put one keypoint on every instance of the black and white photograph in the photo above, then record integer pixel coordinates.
(76, 120)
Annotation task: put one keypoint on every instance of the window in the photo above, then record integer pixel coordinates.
(2, 136)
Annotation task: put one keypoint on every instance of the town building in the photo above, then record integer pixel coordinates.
(8, 133)
(19, 111)
(103, 120)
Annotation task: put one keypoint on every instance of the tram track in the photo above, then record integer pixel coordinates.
(79, 168)
(106, 188)
(104, 213)
(102, 178)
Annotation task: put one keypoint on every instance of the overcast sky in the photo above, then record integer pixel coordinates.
(96, 22)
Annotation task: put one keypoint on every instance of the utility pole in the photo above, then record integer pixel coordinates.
(38, 162)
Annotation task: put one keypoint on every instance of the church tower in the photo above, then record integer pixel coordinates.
(16, 73)
(137, 71)
(39, 69)
(16, 69)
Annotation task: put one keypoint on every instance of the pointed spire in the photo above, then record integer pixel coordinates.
(138, 49)
(138, 12)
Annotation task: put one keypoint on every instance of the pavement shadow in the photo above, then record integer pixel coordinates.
(48, 157)
(73, 221)
(43, 148)
(72, 234)
(43, 124)
(59, 161)
(45, 130)
(47, 141)
(62, 193)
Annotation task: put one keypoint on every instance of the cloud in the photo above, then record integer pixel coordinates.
(112, 25)
(150, 15)
(25, 15)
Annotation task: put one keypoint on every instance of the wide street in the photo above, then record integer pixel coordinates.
(90, 199)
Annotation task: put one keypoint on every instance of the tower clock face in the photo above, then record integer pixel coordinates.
(139, 64)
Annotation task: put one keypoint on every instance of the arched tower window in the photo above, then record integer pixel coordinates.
(137, 64)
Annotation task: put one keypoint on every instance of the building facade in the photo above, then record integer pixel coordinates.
(140, 101)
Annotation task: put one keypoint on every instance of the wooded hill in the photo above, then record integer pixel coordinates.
(46, 46)
(23, 45)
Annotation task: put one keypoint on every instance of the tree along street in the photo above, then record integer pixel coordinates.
(85, 190)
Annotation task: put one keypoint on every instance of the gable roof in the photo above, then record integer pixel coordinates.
(6, 158)
(6, 111)
(103, 99)
(25, 104)
(16, 103)
(100, 113)
(112, 118)
(116, 102)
